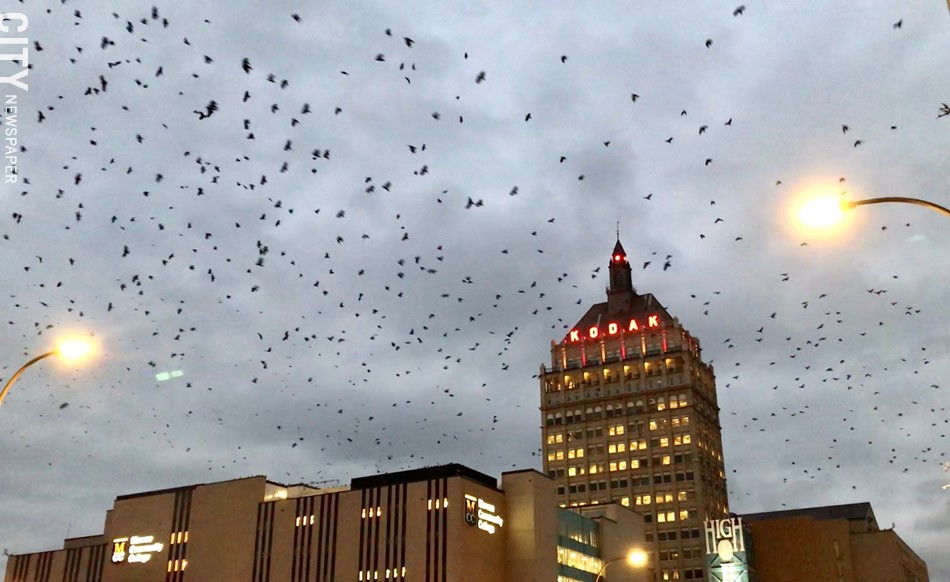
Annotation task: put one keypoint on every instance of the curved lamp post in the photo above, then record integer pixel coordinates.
(822, 212)
(636, 558)
(69, 349)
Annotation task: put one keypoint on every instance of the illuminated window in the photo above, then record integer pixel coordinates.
(551, 456)
(634, 463)
(625, 501)
(615, 430)
(665, 460)
(683, 514)
(664, 441)
(661, 403)
(665, 516)
(559, 455)
(617, 447)
(643, 500)
(653, 425)
(638, 445)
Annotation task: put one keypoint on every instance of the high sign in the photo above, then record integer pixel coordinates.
(727, 558)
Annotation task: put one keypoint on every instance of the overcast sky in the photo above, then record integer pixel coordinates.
(359, 259)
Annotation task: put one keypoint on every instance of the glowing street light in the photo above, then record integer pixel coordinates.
(636, 558)
(69, 349)
(828, 211)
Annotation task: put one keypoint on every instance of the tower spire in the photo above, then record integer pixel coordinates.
(620, 277)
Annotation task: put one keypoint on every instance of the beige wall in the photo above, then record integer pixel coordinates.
(532, 527)
(149, 515)
(622, 530)
(883, 557)
(222, 529)
(786, 549)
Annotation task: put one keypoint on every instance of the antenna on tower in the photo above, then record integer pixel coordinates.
(618, 230)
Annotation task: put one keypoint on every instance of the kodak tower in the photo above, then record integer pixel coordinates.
(629, 413)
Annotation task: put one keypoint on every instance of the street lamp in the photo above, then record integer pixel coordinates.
(635, 558)
(70, 349)
(823, 212)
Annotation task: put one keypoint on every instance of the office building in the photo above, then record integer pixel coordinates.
(629, 414)
(438, 524)
(838, 543)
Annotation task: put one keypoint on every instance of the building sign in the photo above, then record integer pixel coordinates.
(612, 328)
(135, 549)
(480, 513)
(727, 557)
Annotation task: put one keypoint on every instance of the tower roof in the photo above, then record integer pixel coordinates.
(623, 302)
(618, 252)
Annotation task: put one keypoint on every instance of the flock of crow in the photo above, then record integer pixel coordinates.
(318, 245)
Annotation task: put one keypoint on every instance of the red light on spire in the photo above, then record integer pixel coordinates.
(618, 258)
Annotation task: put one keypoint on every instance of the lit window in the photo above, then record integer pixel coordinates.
(652, 425)
(666, 460)
(683, 514)
(615, 430)
(625, 501)
(660, 403)
(664, 441)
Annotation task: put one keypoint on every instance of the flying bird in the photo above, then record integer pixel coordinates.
(738, 10)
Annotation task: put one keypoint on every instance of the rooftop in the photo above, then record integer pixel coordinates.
(850, 511)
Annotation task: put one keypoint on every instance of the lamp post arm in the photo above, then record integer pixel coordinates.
(917, 201)
(600, 575)
(13, 378)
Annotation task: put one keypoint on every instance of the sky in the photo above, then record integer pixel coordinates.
(355, 230)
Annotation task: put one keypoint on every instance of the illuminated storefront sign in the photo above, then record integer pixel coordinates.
(135, 549)
(612, 328)
(480, 513)
(727, 557)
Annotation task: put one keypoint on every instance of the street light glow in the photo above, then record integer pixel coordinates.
(822, 212)
(74, 349)
(638, 558)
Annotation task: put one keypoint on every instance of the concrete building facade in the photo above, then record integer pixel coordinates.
(629, 414)
(838, 543)
(438, 524)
